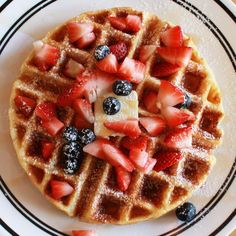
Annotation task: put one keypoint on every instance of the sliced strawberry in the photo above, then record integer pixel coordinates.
(84, 233)
(47, 149)
(138, 143)
(166, 159)
(139, 70)
(179, 138)
(116, 157)
(133, 23)
(123, 178)
(80, 123)
(172, 37)
(73, 68)
(109, 64)
(45, 55)
(120, 50)
(150, 102)
(60, 189)
(163, 69)
(46, 111)
(84, 108)
(77, 30)
(169, 94)
(128, 127)
(174, 116)
(86, 40)
(145, 52)
(151, 162)
(52, 126)
(24, 104)
(153, 125)
(176, 55)
(138, 157)
(117, 22)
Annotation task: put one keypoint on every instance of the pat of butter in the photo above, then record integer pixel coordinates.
(128, 110)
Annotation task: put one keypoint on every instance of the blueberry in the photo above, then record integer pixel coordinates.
(101, 52)
(70, 166)
(111, 105)
(72, 150)
(70, 134)
(86, 136)
(186, 103)
(186, 212)
(122, 87)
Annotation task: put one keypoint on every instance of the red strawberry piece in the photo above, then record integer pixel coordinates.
(117, 22)
(174, 116)
(73, 68)
(116, 157)
(77, 30)
(138, 143)
(86, 40)
(46, 111)
(45, 55)
(169, 94)
(109, 64)
(151, 162)
(133, 23)
(120, 50)
(60, 189)
(52, 126)
(123, 178)
(172, 37)
(84, 108)
(176, 55)
(153, 125)
(179, 138)
(138, 157)
(47, 149)
(25, 105)
(81, 123)
(146, 52)
(150, 102)
(163, 69)
(84, 233)
(128, 127)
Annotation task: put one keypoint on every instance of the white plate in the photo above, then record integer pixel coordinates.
(211, 24)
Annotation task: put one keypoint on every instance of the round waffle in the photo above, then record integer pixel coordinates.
(96, 197)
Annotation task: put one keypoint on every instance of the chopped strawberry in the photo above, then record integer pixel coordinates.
(123, 178)
(47, 149)
(132, 70)
(84, 108)
(133, 23)
(80, 123)
(128, 127)
(60, 189)
(151, 162)
(169, 94)
(120, 50)
(52, 126)
(45, 55)
(163, 69)
(117, 22)
(73, 68)
(116, 157)
(109, 64)
(77, 30)
(172, 37)
(25, 105)
(176, 55)
(174, 116)
(179, 138)
(166, 159)
(138, 143)
(84, 233)
(46, 111)
(145, 52)
(86, 40)
(138, 157)
(150, 102)
(153, 125)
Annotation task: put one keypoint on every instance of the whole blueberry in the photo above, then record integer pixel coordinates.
(122, 87)
(70, 134)
(71, 150)
(86, 136)
(101, 52)
(111, 105)
(71, 165)
(186, 212)
(186, 103)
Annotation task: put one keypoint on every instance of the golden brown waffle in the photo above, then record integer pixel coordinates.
(97, 198)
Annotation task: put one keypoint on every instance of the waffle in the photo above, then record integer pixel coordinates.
(96, 198)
